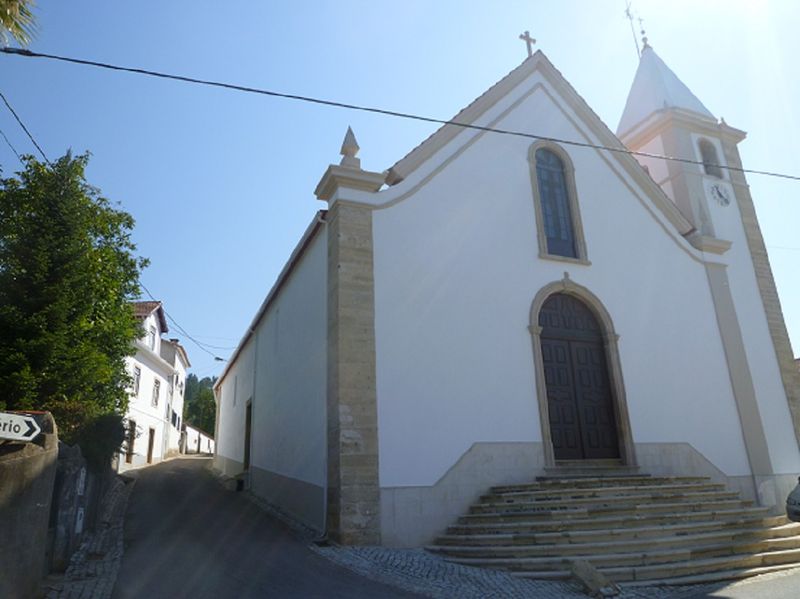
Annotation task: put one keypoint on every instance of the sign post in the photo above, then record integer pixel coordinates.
(18, 427)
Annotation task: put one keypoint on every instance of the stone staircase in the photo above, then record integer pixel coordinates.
(635, 529)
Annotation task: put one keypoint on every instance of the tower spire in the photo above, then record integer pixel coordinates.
(349, 150)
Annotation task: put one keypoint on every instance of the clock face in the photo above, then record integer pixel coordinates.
(721, 194)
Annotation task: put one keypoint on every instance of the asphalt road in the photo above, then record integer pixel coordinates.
(186, 536)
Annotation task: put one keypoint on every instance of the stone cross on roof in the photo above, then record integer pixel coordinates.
(529, 41)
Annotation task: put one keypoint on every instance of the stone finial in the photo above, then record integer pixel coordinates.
(349, 150)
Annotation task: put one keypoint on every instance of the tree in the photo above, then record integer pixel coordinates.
(67, 274)
(199, 407)
(16, 19)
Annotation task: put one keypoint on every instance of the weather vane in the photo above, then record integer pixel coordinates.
(529, 41)
(644, 35)
(629, 15)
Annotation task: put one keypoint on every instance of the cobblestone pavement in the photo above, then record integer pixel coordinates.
(93, 568)
(423, 573)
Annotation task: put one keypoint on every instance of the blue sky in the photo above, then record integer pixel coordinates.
(221, 183)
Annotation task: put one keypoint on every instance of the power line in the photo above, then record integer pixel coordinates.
(177, 326)
(382, 111)
(10, 145)
(181, 329)
(25, 129)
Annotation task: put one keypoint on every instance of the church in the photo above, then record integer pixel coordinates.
(525, 294)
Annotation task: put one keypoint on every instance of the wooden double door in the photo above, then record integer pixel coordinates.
(580, 404)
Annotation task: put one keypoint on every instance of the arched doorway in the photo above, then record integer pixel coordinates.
(581, 410)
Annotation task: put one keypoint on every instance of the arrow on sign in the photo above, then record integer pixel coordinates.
(18, 427)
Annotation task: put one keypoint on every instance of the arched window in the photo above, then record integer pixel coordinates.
(556, 205)
(708, 154)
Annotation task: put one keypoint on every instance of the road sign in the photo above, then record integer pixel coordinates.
(18, 427)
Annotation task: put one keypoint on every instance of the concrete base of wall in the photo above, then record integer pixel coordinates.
(227, 466)
(303, 501)
(414, 516)
(682, 458)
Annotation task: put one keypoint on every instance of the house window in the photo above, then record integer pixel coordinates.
(156, 391)
(151, 338)
(557, 215)
(708, 154)
(137, 379)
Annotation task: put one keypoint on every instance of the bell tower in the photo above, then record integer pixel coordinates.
(662, 116)
(704, 179)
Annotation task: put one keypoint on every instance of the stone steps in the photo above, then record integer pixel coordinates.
(599, 482)
(619, 561)
(588, 512)
(564, 525)
(557, 537)
(687, 572)
(710, 576)
(625, 545)
(602, 501)
(632, 528)
(588, 492)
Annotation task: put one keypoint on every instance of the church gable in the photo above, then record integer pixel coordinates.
(508, 108)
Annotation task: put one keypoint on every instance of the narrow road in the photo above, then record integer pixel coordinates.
(186, 536)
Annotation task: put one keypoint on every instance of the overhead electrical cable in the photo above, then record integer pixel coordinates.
(199, 344)
(10, 145)
(405, 115)
(202, 346)
(25, 129)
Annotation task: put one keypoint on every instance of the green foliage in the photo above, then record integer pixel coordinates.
(199, 407)
(100, 438)
(67, 274)
(17, 20)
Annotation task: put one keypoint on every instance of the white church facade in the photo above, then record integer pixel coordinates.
(495, 307)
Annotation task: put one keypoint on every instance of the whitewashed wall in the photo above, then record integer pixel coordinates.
(456, 269)
(159, 363)
(232, 396)
(198, 441)
(143, 412)
(283, 371)
(175, 396)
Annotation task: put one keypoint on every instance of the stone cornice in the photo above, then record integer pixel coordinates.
(337, 176)
(708, 244)
(670, 117)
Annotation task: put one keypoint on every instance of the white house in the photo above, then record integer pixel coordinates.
(493, 307)
(155, 409)
(196, 441)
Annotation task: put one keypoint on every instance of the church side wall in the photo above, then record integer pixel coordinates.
(456, 269)
(233, 393)
(283, 372)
